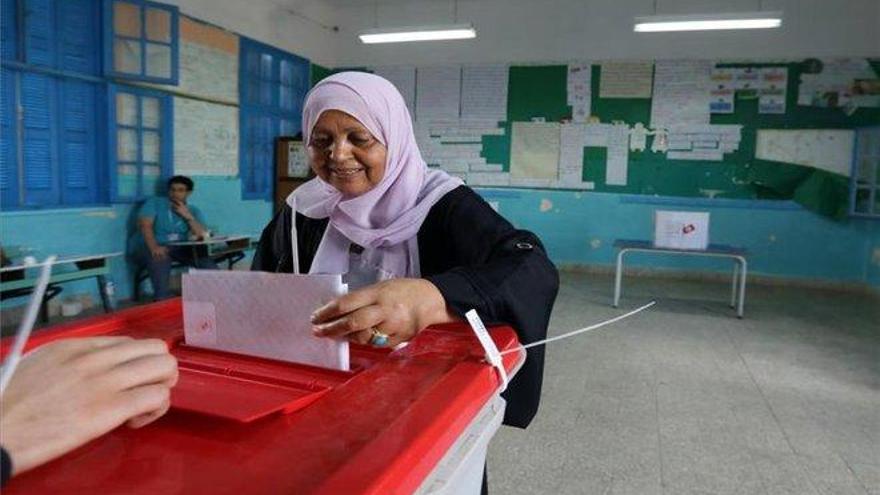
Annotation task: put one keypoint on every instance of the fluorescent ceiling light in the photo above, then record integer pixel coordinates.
(418, 33)
(709, 22)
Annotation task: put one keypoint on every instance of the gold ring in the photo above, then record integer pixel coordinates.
(378, 339)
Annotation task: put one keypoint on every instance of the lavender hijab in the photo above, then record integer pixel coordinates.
(386, 219)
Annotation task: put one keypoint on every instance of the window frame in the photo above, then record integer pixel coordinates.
(166, 139)
(110, 37)
(873, 186)
(258, 118)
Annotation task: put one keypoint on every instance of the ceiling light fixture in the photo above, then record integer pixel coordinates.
(418, 33)
(707, 22)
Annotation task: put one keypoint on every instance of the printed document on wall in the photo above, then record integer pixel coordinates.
(534, 150)
(626, 79)
(403, 78)
(682, 93)
(438, 92)
(484, 93)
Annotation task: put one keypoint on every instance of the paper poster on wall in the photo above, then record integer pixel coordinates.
(572, 139)
(534, 150)
(772, 91)
(484, 92)
(835, 85)
(723, 92)
(681, 92)
(403, 78)
(626, 79)
(616, 168)
(206, 138)
(707, 142)
(579, 86)
(438, 92)
(826, 149)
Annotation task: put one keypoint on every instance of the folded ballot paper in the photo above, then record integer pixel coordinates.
(261, 314)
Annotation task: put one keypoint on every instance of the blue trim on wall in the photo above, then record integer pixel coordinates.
(753, 204)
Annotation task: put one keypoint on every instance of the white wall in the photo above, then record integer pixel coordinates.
(277, 23)
(560, 30)
(524, 31)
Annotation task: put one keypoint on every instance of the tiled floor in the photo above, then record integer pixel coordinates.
(686, 398)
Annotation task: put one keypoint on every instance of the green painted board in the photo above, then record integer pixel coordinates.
(540, 92)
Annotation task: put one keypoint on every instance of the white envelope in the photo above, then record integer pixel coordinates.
(261, 314)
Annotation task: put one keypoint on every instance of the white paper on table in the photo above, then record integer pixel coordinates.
(261, 314)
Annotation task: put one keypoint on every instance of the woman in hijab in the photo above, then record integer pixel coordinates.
(417, 246)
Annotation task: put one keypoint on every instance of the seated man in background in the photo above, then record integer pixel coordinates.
(165, 220)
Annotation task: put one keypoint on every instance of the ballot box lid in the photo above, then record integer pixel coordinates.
(250, 425)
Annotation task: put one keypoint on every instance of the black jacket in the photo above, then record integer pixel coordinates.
(476, 259)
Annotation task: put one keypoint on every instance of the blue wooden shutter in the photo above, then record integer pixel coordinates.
(39, 38)
(77, 27)
(40, 164)
(78, 143)
(8, 150)
(8, 30)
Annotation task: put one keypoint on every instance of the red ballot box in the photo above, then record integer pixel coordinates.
(413, 420)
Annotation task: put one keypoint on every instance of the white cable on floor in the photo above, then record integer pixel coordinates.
(582, 330)
(27, 324)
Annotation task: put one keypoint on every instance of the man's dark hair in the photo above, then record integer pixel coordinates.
(181, 179)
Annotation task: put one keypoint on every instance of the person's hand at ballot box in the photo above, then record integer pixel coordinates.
(400, 307)
(68, 392)
(415, 245)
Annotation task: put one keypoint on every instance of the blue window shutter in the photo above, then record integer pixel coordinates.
(273, 86)
(8, 30)
(39, 38)
(8, 149)
(78, 142)
(77, 27)
(40, 166)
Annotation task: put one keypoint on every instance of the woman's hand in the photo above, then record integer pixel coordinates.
(71, 391)
(399, 308)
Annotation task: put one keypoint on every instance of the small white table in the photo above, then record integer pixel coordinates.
(221, 248)
(740, 266)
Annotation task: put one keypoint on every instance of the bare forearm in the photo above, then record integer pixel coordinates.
(196, 228)
(149, 236)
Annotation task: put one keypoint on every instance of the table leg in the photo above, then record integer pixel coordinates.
(734, 287)
(102, 289)
(618, 275)
(742, 288)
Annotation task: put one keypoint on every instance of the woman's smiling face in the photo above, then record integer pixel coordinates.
(345, 154)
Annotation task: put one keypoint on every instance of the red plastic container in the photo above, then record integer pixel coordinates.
(241, 424)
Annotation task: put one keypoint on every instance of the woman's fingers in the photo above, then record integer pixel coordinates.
(344, 305)
(361, 319)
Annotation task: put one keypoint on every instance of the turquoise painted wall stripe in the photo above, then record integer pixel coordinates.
(580, 228)
(100, 230)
